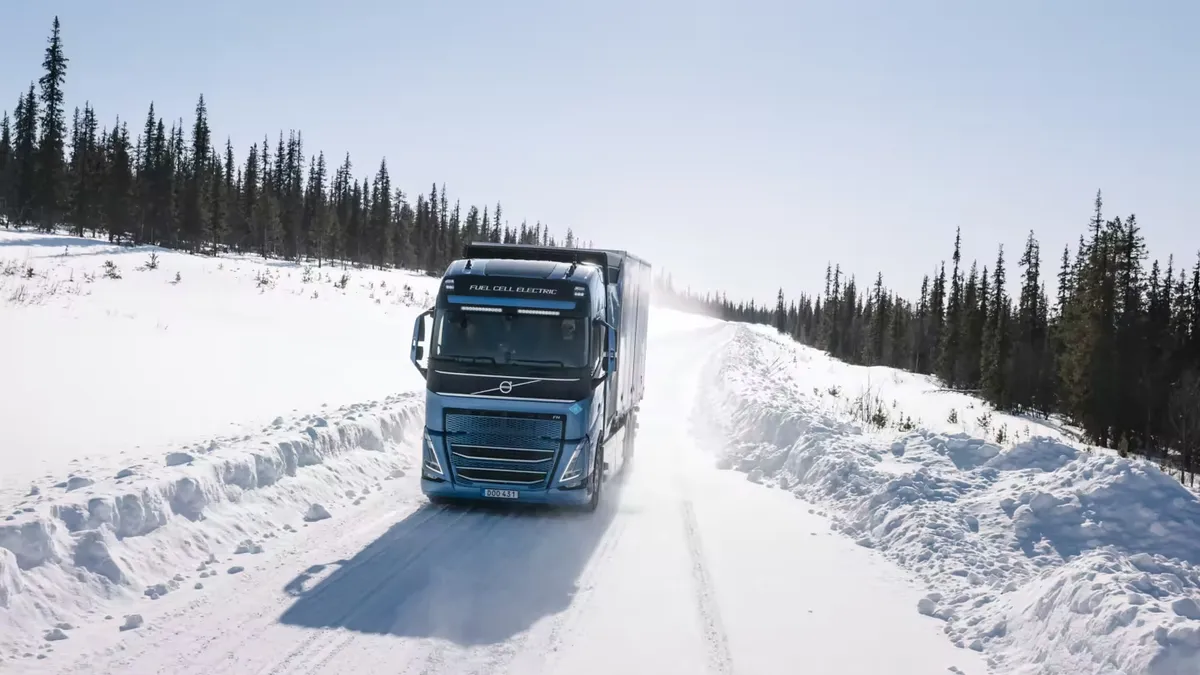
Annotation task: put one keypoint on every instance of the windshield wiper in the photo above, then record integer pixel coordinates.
(467, 359)
(536, 362)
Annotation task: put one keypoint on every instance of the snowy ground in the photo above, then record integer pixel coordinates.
(1044, 556)
(224, 484)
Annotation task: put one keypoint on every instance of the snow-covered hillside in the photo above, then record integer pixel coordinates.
(109, 364)
(207, 465)
(1045, 555)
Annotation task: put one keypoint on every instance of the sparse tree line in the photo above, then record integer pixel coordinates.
(1116, 351)
(185, 192)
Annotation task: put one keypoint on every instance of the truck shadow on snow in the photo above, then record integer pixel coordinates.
(472, 575)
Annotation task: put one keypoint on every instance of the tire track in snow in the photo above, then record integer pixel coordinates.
(716, 647)
(716, 642)
(562, 625)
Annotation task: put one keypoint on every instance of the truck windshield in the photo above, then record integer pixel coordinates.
(511, 338)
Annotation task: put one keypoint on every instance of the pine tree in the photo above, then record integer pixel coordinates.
(1193, 351)
(229, 195)
(971, 333)
(937, 319)
(6, 167)
(215, 225)
(381, 216)
(948, 352)
(921, 328)
(878, 322)
(51, 174)
(25, 158)
(198, 203)
(249, 237)
(1030, 342)
(118, 189)
(994, 367)
(781, 313)
(1138, 351)
(85, 175)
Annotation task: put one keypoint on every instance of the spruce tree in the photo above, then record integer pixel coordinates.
(1028, 391)
(948, 349)
(923, 319)
(198, 202)
(937, 309)
(995, 362)
(323, 224)
(877, 325)
(51, 174)
(229, 196)
(6, 166)
(24, 160)
(215, 229)
(971, 341)
(84, 177)
(118, 189)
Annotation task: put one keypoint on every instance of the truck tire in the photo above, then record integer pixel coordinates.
(630, 439)
(597, 480)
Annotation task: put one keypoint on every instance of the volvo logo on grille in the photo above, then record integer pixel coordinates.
(505, 387)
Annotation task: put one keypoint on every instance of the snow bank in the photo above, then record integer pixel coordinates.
(114, 353)
(161, 411)
(66, 554)
(1044, 556)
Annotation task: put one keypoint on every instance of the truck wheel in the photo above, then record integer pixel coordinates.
(597, 479)
(630, 438)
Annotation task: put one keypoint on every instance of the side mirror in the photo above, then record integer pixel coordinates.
(417, 352)
(608, 358)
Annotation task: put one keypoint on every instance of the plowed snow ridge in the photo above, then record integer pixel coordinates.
(1047, 558)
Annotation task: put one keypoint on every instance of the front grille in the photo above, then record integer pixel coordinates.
(488, 448)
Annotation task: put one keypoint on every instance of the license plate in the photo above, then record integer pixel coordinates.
(503, 494)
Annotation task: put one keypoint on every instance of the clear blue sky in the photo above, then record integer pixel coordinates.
(739, 144)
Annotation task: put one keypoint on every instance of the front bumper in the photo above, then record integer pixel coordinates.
(568, 479)
(551, 496)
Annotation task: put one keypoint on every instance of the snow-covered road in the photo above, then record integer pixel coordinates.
(685, 569)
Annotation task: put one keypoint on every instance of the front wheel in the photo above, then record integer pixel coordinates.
(597, 479)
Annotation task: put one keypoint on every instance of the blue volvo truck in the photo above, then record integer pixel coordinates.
(534, 369)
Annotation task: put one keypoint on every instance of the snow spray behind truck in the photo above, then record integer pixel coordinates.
(534, 373)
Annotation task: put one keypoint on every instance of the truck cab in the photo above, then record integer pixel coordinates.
(523, 364)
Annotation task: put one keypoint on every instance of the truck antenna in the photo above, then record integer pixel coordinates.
(574, 264)
(469, 261)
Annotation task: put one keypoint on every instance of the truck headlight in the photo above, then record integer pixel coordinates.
(573, 471)
(431, 467)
